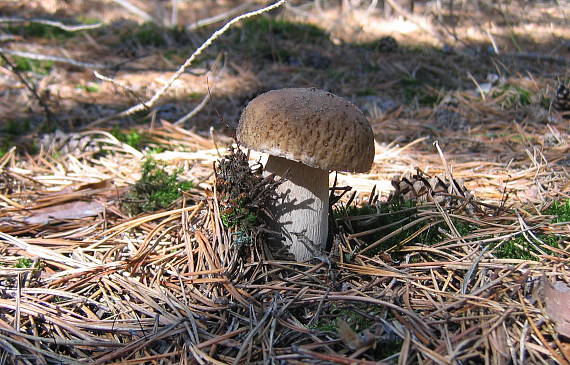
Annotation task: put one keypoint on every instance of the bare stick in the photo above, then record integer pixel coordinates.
(219, 17)
(42, 57)
(31, 87)
(52, 23)
(120, 85)
(70, 61)
(194, 111)
(206, 98)
(150, 103)
(135, 10)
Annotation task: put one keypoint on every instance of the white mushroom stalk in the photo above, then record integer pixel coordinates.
(301, 211)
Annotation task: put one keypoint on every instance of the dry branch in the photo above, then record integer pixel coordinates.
(56, 24)
(152, 101)
(43, 57)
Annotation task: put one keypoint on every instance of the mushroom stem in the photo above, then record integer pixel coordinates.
(301, 211)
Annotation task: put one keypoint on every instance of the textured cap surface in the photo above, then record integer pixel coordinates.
(311, 126)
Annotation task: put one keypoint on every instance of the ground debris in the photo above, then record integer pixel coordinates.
(195, 282)
(561, 100)
(244, 194)
(422, 188)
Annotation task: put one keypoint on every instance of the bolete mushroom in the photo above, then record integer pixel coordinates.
(307, 133)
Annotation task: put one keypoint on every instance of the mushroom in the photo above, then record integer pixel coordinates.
(307, 133)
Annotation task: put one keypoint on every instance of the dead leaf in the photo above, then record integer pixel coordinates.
(354, 340)
(71, 210)
(103, 184)
(348, 336)
(556, 298)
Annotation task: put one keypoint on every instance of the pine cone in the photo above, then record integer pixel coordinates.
(561, 101)
(387, 44)
(69, 143)
(422, 188)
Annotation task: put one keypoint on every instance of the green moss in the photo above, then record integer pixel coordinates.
(24, 263)
(152, 35)
(385, 44)
(195, 96)
(181, 52)
(12, 138)
(24, 64)
(240, 215)
(15, 127)
(414, 89)
(369, 45)
(4, 148)
(87, 20)
(519, 248)
(37, 30)
(328, 320)
(336, 74)
(90, 87)
(353, 210)
(270, 38)
(133, 137)
(155, 150)
(463, 228)
(393, 217)
(156, 189)
(149, 34)
(284, 29)
(172, 55)
(514, 96)
(366, 92)
(560, 210)
(49, 126)
(244, 197)
(516, 248)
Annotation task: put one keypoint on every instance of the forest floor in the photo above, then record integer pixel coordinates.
(119, 244)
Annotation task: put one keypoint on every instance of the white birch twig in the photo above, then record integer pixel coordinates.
(207, 97)
(194, 111)
(135, 10)
(52, 23)
(152, 101)
(218, 18)
(120, 85)
(43, 57)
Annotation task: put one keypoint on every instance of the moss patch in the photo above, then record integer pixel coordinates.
(276, 39)
(24, 64)
(156, 189)
(132, 137)
(152, 35)
(512, 96)
(387, 218)
(284, 29)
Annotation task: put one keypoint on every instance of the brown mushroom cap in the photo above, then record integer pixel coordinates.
(311, 126)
